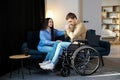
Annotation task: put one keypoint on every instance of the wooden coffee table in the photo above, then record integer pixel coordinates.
(19, 57)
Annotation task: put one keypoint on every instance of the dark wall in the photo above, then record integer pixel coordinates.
(16, 18)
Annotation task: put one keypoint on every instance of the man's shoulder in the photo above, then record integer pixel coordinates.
(80, 24)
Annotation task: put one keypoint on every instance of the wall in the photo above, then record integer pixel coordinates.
(60, 8)
(92, 14)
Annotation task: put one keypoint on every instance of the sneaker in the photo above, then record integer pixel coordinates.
(44, 63)
(49, 66)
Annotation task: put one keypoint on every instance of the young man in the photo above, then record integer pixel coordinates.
(75, 30)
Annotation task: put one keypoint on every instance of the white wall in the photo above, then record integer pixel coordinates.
(92, 14)
(60, 8)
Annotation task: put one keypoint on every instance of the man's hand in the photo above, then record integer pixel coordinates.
(67, 26)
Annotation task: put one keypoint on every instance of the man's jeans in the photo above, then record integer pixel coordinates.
(61, 46)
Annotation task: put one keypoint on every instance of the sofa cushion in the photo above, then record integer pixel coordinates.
(36, 54)
(33, 51)
(100, 49)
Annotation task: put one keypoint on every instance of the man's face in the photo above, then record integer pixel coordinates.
(72, 22)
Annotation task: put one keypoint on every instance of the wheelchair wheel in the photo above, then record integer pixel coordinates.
(65, 72)
(85, 60)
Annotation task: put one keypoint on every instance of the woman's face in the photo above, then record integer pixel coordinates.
(50, 23)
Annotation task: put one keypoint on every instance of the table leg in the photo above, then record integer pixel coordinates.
(22, 68)
(11, 68)
(29, 66)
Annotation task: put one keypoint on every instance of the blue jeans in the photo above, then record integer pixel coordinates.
(50, 50)
(61, 46)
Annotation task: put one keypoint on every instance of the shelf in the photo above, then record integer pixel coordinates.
(111, 19)
(114, 12)
(109, 24)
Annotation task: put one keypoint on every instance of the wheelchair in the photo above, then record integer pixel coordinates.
(80, 57)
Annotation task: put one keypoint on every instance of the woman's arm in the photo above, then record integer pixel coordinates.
(59, 33)
(45, 38)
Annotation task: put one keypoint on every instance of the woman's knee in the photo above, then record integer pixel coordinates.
(60, 45)
(45, 49)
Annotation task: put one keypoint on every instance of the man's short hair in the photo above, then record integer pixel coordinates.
(71, 15)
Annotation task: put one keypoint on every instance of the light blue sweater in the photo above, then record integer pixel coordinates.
(45, 37)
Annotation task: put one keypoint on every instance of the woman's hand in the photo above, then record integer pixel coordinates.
(58, 40)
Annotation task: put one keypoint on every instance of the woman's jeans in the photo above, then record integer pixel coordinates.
(50, 50)
(53, 52)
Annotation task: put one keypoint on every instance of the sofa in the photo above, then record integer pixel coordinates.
(103, 47)
(31, 45)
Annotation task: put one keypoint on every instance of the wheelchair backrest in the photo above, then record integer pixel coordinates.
(90, 32)
(92, 39)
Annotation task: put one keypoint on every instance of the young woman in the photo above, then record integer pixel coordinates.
(47, 41)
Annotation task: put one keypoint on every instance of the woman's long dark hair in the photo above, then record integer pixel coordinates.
(45, 25)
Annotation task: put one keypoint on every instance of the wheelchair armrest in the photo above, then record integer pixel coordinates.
(105, 44)
(80, 40)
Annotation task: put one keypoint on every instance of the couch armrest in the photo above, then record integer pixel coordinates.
(24, 46)
(106, 45)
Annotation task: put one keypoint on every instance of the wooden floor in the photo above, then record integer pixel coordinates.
(115, 51)
(108, 72)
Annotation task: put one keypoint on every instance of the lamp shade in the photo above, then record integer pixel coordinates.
(50, 14)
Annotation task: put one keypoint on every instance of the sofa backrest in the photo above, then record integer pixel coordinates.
(32, 39)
